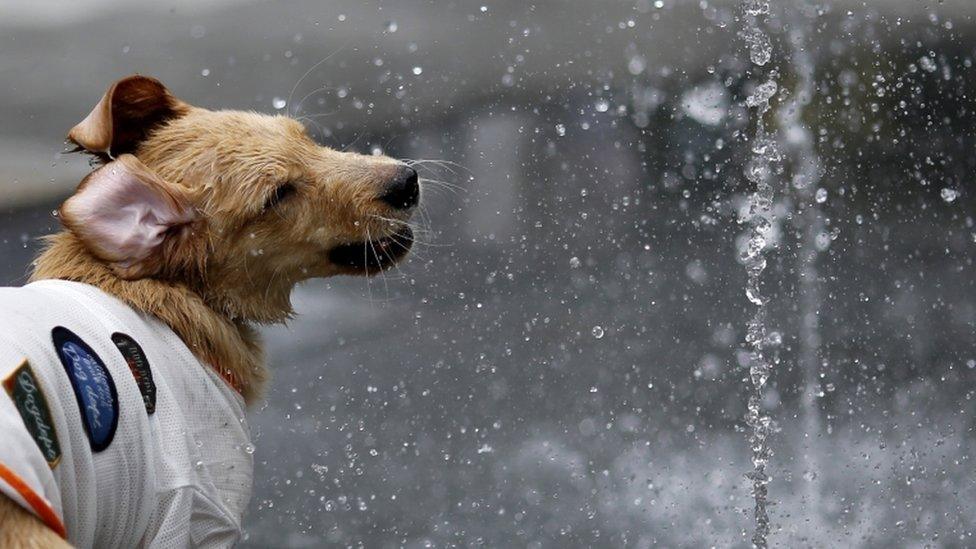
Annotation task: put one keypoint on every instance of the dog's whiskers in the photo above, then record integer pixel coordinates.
(399, 222)
(291, 94)
(418, 230)
(376, 253)
(310, 117)
(318, 126)
(301, 102)
(445, 164)
(394, 261)
(437, 184)
(358, 135)
(424, 215)
(407, 246)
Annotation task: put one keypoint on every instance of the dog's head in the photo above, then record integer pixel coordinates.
(239, 205)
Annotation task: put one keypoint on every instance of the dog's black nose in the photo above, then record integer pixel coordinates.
(403, 191)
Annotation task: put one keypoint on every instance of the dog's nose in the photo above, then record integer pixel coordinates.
(403, 191)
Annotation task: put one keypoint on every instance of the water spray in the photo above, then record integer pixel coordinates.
(759, 171)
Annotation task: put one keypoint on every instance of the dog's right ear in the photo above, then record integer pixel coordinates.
(129, 110)
(127, 216)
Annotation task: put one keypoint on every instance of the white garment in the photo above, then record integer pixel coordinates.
(178, 477)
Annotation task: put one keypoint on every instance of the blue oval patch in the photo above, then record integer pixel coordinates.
(94, 388)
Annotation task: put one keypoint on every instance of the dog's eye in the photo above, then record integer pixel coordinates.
(281, 193)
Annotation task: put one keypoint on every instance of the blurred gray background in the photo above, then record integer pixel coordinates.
(561, 362)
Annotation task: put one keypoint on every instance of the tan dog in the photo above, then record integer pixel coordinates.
(238, 208)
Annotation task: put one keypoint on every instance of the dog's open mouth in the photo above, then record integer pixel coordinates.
(372, 256)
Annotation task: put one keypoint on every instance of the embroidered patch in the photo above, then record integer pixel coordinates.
(26, 392)
(94, 388)
(139, 365)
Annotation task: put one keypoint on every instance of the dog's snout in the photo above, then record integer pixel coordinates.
(403, 191)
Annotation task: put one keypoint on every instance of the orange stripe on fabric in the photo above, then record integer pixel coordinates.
(41, 507)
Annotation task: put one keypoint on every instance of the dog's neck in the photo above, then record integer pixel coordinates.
(229, 346)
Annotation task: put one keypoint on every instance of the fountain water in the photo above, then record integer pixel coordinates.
(759, 171)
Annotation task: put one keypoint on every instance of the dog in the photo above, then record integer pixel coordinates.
(128, 360)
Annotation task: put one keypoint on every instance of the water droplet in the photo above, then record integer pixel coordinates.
(598, 332)
(754, 297)
(822, 241)
(949, 195)
(391, 26)
(205, 72)
(762, 94)
(278, 103)
(417, 71)
(560, 130)
(821, 195)
(574, 262)
(249, 448)
(636, 64)
(602, 105)
(927, 64)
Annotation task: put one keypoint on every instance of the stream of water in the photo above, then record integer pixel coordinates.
(759, 171)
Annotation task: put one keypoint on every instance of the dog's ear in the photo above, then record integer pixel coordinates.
(129, 110)
(130, 218)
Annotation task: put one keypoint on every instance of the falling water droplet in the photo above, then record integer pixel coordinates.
(949, 195)
(761, 95)
(754, 296)
(636, 64)
(927, 64)
(821, 195)
(391, 26)
(574, 262)
(417, 71)
(598, 332)
(278, 103)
